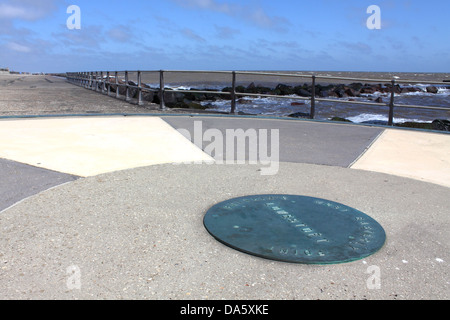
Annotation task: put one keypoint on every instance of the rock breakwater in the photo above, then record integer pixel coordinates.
(174, 99)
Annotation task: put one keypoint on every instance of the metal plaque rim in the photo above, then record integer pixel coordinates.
(306, 262)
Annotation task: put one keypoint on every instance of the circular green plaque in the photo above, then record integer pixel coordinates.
(295, 229)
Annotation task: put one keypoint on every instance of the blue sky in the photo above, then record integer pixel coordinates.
(316, 35)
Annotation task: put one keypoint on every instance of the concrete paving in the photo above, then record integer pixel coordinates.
(418, 155)
(27, 95)
(90, 146)
(132, 229)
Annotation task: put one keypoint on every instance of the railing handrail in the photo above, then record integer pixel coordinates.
(292, 75)
(90, 79)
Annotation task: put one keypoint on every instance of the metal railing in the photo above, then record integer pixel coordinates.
(101, 81)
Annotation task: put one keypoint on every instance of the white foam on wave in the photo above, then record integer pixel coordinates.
(364, 117)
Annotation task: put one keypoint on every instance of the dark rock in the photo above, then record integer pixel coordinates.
(293, 104)
(379, 100)
(300, 115)
(284, 89)
(186, 104)
(240, 89)
(302, 92)
(377, 122)
(410, 89)
(388, 89)
(441, 125)
(148, 96)
(340, 91)
(251, 87)
(262, 90)
(368, 90)
(122, 89)
(350, 92)
(244, 101)
(416, 125)
(173, 97)
(324, 94)
(195, 105)
(132, 92)
(356, 86)
(330, 93)
(432, 89)
(340, 119)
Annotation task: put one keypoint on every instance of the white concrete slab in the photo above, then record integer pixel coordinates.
(412, 154)
(90, 146)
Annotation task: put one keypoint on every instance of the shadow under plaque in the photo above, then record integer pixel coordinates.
(296, 229)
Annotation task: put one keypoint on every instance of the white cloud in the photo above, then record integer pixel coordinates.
(206, 4)
(358, 47)
(26, 9)
(8, 11)
(251, 14)
(121, 33)
(18, 47)
(226, 32)
(192, 35)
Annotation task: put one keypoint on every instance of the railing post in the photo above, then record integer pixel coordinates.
(391, 104)
(103, 83)
(139, 80)
(96, 81)
(117, 84)
(108, 83)
(313, 98)
(233, 93)
(162, 105)
(127, 88)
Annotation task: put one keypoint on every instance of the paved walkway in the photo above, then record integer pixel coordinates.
(111, 207)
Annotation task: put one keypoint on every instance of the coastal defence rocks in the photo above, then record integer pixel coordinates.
(441, 125)
(199, 101)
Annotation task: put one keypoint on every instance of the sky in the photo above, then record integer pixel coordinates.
(320, 35)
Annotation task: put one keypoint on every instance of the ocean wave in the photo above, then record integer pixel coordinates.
(368, 117)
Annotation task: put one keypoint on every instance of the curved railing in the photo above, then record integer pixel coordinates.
(103, 80)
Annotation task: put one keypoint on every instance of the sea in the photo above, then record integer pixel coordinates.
(324, 110)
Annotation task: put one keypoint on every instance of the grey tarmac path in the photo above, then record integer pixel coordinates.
(19, 181)
(299, 141)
